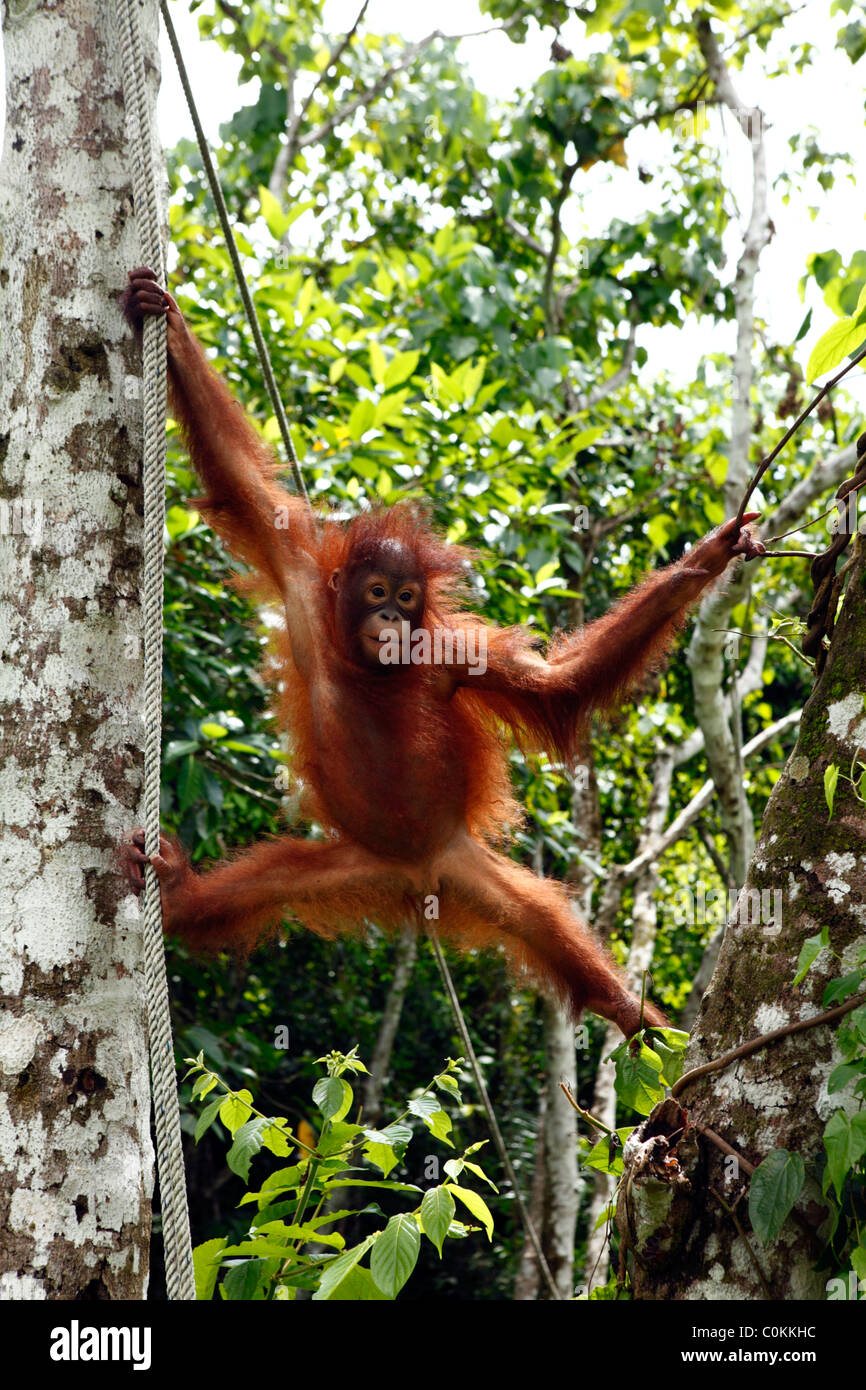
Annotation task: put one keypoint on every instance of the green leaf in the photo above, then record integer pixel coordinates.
(206, 1266)
(382, 1155)
(338, 1269)
(207, 1117)
(831, 777)
(400, 368)
(659, 530)
(809, 952)
(476, 1205)
(277, 221)
(395, 1254)
(178, 521)
(377, 363)
(305, 298)
(437, 1213)
(842, 1075)
(390, 409)
(277, 1141)
(605, 1156)
(775, 1186)
(361, 419)
(638, 1079)
(235, 1111)
(842, 338)
(672, 1058)
(244, 1281)
(838, 990)
(247, 1143)
(203, 1085)
(423, 1106)
(259, 1249)
(333, 1096)
(189, 783)
(479, 1172)
(439, 1125)
(845, 1144)
(358, 1286)
(283, 1180)
(178, 748)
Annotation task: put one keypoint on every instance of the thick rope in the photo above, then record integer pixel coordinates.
(180, 1280)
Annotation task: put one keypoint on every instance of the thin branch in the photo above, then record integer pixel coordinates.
(568, 173)
(333, 58)
(765, 462)
(701, 799)
(412, 52)
(526, 237)
(757, 1044)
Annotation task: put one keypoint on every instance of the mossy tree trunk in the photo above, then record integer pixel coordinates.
(809, 873)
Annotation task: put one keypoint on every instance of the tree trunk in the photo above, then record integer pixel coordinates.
(809, 872)
(76, 1164)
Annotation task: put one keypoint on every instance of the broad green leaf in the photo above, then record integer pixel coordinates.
(337, 1270)
(277, 222)
(638, 1079)
(305, 298)
(247, 1143)
(437, 1213)
(476, 1205)
(845, 1143)
(775, 1186)
(842, 1075)
(395, 1254)
(358, 1286)
(659, 530)
(439, 1125)
(382, 1155)
(235, 1110)
(207, 1117)
(841, 338)
(333, 1096)
(206, 1266)
(361, 419)
(245, 1281)
(178, 521)
(400, 368)
(605, 1155)
(277, 1140)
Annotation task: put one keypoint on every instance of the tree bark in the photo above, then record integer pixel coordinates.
(76, 1164)
(811, 867)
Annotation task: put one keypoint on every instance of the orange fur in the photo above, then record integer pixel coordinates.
(405, 767)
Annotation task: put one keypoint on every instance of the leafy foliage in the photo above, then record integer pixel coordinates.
(282, 1250)
(444, 318)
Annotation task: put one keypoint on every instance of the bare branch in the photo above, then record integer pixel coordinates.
(333, 59)
(702, 798)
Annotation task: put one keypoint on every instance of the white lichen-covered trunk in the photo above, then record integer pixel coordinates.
(75, 1151)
